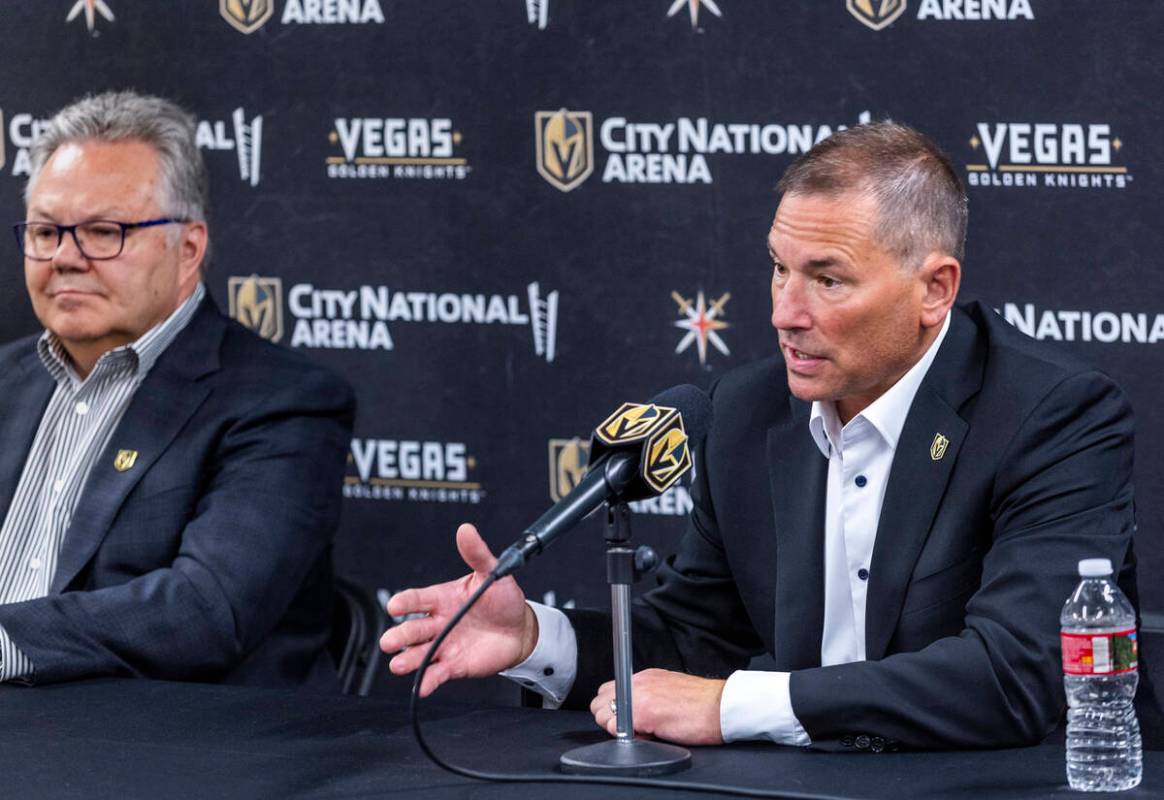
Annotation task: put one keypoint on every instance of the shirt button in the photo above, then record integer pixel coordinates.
(860, 481)
(35, 563)
(81, 408)
(863, 574)
(548, 671)
(58, 484)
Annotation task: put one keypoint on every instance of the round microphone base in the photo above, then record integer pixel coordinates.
(626, 757)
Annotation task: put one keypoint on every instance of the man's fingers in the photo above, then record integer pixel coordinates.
(473, 549)
(410, 633)
(597, 704)
(436, 674)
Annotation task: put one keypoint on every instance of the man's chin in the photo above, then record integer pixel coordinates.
(808, 389)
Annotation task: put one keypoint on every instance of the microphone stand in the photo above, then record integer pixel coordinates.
(624, 755)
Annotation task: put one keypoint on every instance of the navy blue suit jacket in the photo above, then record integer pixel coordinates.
(975, 554)
(209, 559)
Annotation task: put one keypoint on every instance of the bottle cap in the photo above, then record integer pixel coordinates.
(1094, 567)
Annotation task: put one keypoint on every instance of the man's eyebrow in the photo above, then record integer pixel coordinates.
(827, 262)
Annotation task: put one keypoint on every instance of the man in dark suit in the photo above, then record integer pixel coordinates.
(893, 508)
(170, 481)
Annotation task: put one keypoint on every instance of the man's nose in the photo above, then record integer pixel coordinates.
(789, 306)
(68, 255)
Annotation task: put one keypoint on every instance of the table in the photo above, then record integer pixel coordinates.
(153, 739)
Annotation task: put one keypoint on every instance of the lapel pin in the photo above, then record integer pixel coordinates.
(938, 447)
(125, 460)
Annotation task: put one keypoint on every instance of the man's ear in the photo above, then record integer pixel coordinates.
(940, 276)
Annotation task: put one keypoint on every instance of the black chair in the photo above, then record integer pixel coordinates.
(357, 622)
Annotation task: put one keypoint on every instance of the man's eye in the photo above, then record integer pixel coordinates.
(99, 232)
(42, 233)
(828, 282)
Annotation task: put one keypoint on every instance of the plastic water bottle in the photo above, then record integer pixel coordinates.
(1099, 674)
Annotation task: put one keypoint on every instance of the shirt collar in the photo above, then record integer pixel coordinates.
(886, 414)
(137, 357)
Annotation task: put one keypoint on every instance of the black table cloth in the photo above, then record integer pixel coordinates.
(148, 739)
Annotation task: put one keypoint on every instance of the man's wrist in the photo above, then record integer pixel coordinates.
(529, 636)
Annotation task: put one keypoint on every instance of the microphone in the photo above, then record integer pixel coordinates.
(639, 451)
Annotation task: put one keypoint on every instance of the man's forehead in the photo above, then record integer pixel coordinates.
(111, 175)
(805, 212)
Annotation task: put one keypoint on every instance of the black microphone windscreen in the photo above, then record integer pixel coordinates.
(693, 404)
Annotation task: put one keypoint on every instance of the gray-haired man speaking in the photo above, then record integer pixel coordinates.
(169, 484)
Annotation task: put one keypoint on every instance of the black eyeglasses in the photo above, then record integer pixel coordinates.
(98, 240)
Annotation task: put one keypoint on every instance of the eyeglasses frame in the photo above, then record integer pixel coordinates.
(19, 228)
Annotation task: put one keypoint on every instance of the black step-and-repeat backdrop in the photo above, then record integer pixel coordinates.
(501, 219)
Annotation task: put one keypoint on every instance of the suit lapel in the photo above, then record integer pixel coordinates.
(160, 408)
(26, 390)
(798, 475)
(922, 465)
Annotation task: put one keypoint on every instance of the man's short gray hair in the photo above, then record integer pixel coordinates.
(129, 116)
(921, 204)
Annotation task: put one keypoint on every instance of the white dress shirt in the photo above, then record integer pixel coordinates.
(756, 704)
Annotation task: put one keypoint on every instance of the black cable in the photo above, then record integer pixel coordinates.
(503, 777)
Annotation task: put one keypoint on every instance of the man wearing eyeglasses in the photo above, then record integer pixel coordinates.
(170, 482)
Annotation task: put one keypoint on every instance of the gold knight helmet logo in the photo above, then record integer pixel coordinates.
(631, 422)
(257, 303)
(568, 460)
(565, 147)
(668, 456)
(876, 14)
(246, 16)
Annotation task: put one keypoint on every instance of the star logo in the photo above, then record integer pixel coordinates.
(693, 9)
(701, 321)
(91, 8)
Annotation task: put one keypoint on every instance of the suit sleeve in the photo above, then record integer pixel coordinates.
(1063, 492)
(267, 512)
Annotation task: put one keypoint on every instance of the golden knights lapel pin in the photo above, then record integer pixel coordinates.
(125, 460)
(938, 447)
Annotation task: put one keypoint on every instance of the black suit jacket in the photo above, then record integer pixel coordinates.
(209, 559)
(975, 554)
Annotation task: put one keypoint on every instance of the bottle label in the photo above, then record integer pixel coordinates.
(1099, 653)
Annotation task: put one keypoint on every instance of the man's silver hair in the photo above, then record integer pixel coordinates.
(129, 116)
(921, 204)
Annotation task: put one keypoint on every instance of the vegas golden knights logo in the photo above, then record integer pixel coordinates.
(938, 447)
(632, 422)
(668, 456)
(876, 14)
(124, 460)
(258, 304)
(568, 460)
(565, 147)
(247, 16)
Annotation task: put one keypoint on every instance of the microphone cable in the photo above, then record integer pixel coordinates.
(521, 777)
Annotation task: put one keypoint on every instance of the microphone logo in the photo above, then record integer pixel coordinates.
(631, 423)
(659, 431)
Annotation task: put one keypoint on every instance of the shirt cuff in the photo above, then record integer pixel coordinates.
(14, 665)
(552, 666)
(757, 705)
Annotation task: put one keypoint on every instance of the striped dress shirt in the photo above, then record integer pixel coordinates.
(76, 427)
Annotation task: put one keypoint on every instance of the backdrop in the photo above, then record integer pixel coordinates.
(500, 220)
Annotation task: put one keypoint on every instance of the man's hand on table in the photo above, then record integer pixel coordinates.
(667, 705)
